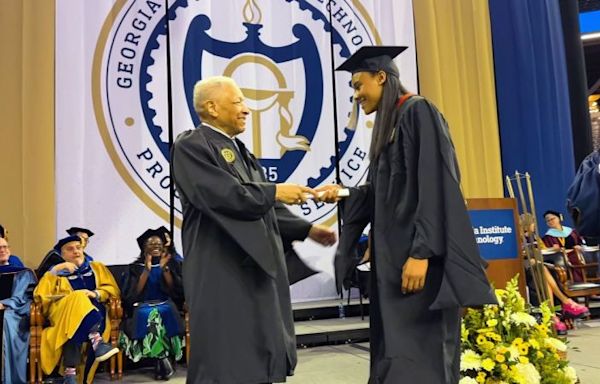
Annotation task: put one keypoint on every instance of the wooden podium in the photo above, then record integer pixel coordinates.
(496, 226)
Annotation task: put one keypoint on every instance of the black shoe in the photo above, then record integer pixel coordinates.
(158, 370)
(105, 351)
(167, 369)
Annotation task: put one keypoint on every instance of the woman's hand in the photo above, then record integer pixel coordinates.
(164, 259)
(329, 193)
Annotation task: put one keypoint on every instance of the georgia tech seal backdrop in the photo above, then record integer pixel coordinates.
(112, 114)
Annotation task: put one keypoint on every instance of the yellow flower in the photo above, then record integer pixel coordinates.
(480, 378)
(543, 329)
(481, 339)
(464, 332)
(539, 355)
(523, 360)
(500, 358)
(518, 341)
(492, 323)
(488, 364)
(523, 348)
(503, 367)
(487, 346)
(534, 344)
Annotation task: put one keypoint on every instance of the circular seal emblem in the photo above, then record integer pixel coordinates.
(228, 155)
(279, 53)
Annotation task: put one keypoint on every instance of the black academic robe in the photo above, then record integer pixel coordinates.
(234, 272)
(414, 204)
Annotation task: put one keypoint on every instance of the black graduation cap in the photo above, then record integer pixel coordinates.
(373, 59)
(74, 230)
(554, 213)
(164, 231)
(64, 241)
(141, 240)
(2, 232)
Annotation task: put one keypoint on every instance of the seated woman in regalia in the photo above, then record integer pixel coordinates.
(152, 300)
(16, 289)
(73, 296)
(559, 236)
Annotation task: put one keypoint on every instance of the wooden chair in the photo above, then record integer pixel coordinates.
(38, 322)
(564, 271)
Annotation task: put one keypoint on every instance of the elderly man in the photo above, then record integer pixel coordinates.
(12, 259)
(16, 287)
(53, 258)
(84, 234)
(235, 276)
(73, 294)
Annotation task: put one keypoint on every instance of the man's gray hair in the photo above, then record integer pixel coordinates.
(208, 89)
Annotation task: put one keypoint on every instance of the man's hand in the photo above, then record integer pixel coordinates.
(66, 266)
(413, 274)
(289, 193)
(90, 294)
(1, 307)
(330, 193)
(322, 235)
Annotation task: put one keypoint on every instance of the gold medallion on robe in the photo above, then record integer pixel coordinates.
(228, 155)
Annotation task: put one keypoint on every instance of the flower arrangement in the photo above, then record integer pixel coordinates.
(505, 344)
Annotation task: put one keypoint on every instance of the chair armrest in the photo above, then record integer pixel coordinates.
(36, 316)
(584, 266)
(561, 273)
(115, 309)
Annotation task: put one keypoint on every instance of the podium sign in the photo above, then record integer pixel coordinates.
(496, 229)
(495, 233)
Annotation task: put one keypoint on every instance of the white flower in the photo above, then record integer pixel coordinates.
(514, 353)
(522, 318)
(555, 343)
(470, 359)
(527, 374)
(467, 380)
(571, 374)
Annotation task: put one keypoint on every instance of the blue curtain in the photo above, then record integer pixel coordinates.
(532, 95)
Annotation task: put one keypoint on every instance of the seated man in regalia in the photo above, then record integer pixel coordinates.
(73, 296)
(16, 288)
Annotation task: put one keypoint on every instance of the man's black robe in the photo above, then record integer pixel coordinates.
(414, 204)
(234, 272)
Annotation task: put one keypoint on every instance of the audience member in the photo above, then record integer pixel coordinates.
(16, 287)
(152, 298)
(53, 257)
(72, 295)
(559, 236)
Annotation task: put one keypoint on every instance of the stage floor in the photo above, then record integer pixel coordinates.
(349, 363)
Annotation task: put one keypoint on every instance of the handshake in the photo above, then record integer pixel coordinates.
(289, 193)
